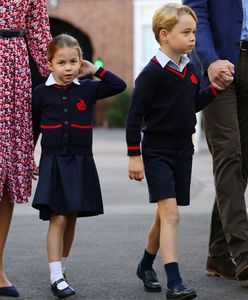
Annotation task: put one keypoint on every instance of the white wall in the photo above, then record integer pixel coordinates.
(145, 45)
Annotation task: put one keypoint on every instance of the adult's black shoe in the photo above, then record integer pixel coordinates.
(221, 266)
(66, 292)
(150, 280)
(180, 292)
(242, 266)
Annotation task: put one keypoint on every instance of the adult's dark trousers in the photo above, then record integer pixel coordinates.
(226, 126)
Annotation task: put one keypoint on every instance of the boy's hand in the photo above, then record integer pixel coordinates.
(228, 80)
(35, 172)
(135, 168)
(87, 68)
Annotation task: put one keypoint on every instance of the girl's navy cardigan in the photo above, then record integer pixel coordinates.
(165, 102)
(63, 114)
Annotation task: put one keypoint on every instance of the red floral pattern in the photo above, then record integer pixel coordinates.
(16, 141)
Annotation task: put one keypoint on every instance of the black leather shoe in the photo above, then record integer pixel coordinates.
(180, 292)
(242, 266)
(150, 280)
(67, 292)
(221, 266)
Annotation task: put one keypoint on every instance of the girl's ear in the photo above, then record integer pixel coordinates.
(81, 66)
(163, 34)
(50, 66)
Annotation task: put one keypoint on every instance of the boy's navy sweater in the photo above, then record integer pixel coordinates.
(166, 101)
(64, 114)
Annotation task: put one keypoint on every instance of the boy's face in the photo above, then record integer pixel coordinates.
(65, 65)
(181, 38)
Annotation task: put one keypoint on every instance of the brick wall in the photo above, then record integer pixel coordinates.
(109, 25)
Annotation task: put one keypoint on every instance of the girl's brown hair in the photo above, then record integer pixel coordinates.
(167, 16)
(63, 41)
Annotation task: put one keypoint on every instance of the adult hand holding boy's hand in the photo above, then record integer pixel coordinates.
(135, 168)
(220, 73)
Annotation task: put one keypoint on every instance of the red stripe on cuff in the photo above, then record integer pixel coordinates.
(215, 93)
(102, 73)
(133, 148)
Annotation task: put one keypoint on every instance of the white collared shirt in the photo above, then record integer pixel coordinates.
(165, 60)
(51, 80)
(244, 33)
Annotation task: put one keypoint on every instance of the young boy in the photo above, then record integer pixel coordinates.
(166, 97)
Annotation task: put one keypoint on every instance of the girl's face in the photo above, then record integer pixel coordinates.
(181, 38)
(65, 65)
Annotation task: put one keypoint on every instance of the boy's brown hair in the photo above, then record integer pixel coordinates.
(167, 16)
(63, 41)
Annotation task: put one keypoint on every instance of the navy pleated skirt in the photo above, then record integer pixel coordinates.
(68, 184)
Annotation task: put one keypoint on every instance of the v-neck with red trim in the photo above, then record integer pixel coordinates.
(181, 74)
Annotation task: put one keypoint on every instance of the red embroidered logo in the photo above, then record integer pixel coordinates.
(194, 78)
(81, 105)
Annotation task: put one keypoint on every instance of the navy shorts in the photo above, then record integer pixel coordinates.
(168, 174)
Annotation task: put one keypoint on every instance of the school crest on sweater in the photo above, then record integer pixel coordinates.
(81, 105)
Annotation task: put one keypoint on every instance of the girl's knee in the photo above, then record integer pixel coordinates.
(59, 220)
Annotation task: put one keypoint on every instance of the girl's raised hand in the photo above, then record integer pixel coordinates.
(87, 68)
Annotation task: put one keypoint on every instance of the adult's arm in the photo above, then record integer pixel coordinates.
(38, 33)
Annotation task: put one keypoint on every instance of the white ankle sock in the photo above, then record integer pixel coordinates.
(56, 274)
(64, 260)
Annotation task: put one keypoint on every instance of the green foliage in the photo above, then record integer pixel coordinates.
(116, 115)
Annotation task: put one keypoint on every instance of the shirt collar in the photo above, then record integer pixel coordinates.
(164, 60)
(51, 80)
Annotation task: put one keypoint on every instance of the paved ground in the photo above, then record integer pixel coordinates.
(107, 248)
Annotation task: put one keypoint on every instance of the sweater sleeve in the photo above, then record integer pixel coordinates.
(143, 93)
(109, 85)
(36, 115)
(204, 97)
(205, 49)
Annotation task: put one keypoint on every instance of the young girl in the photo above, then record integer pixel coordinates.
(68, 185)
(167, 95)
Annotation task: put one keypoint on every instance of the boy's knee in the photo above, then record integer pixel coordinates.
(173, 218)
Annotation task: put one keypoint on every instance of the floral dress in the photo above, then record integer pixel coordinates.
(16, 139)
